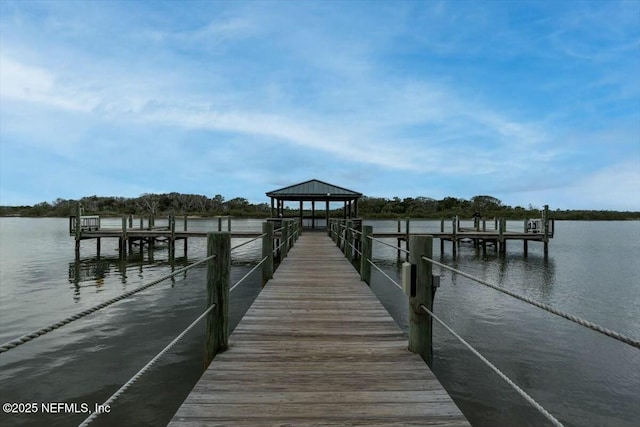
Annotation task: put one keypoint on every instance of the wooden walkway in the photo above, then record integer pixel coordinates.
(317, 348)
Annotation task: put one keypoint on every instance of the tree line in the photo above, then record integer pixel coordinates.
(368, 207)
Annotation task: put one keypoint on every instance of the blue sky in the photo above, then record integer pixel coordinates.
(531, 102)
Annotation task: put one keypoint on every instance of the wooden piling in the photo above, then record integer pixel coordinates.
(218, 273)
(78, 229)
(454, 239)
(267, 251)
(420, 323)
(545, 222)
(285, 239)
(348, 244)
(406, 238)
(123, 239)
(172, 237)
(366, 245)
(185, 246)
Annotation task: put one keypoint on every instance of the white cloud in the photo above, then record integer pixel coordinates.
(33, 84)
(614, 187)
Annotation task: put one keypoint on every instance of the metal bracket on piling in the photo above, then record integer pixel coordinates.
(409, 279)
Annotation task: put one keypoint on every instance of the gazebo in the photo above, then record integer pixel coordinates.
(314, 191)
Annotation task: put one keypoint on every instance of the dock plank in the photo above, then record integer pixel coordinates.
(317, 348)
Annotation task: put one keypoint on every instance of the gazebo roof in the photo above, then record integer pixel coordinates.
(314, 190)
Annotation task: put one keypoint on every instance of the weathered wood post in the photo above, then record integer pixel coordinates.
(441, 236)
(420, 323)
(267, 251)
(406, 238)
(78, 229)
(454, 237)
(292, 233)
(172, 239)
(399, 241)
(228, 223)
(501, 228)
(185, 237)
(525, 242)
(545, 222)
(285, 239)
(348, 245)
(141, 223)
(367, 245)
(130, 221)
(123, 237)
(219, 223)
(218, 270)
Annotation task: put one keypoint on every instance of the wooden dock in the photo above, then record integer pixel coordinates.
(317, 348)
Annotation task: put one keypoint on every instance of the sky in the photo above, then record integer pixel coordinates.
(530, 102)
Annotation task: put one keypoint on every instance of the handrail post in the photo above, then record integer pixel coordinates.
(172, 242)
(123, 237)
(545, 224)
(348, 249)
(501, 225)
(454, 239)
(292, 233)
(285, 238)
(218, 270)
(185, 240)
(406, 237)
(420, 323)
(367, 245)
(329, 225)
(267, 251)
(78, 229)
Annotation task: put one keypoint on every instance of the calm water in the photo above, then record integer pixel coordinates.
(581, 377)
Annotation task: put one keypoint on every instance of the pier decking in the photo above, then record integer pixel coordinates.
(317, 348)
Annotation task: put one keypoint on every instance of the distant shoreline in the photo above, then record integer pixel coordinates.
(201, 206)
(633, 217)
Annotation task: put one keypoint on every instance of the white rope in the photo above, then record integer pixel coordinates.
(146, 367)
(386, 275)
(248, 241)
(247, 275)
(40, 332)
(521, 392)
(474, 351)
(582, 322)
(388, 244)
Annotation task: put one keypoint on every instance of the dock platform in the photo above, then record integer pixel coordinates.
(317, 348)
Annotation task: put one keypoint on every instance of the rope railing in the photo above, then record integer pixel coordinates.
(504, 377)
(582, 322)
(385, 274)
(521, 392)
(249, 273)
(278, 247)
(43, 331)
(249, 241)
(144, 369)
(141, 372)
(389, 244)
(354, 248)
